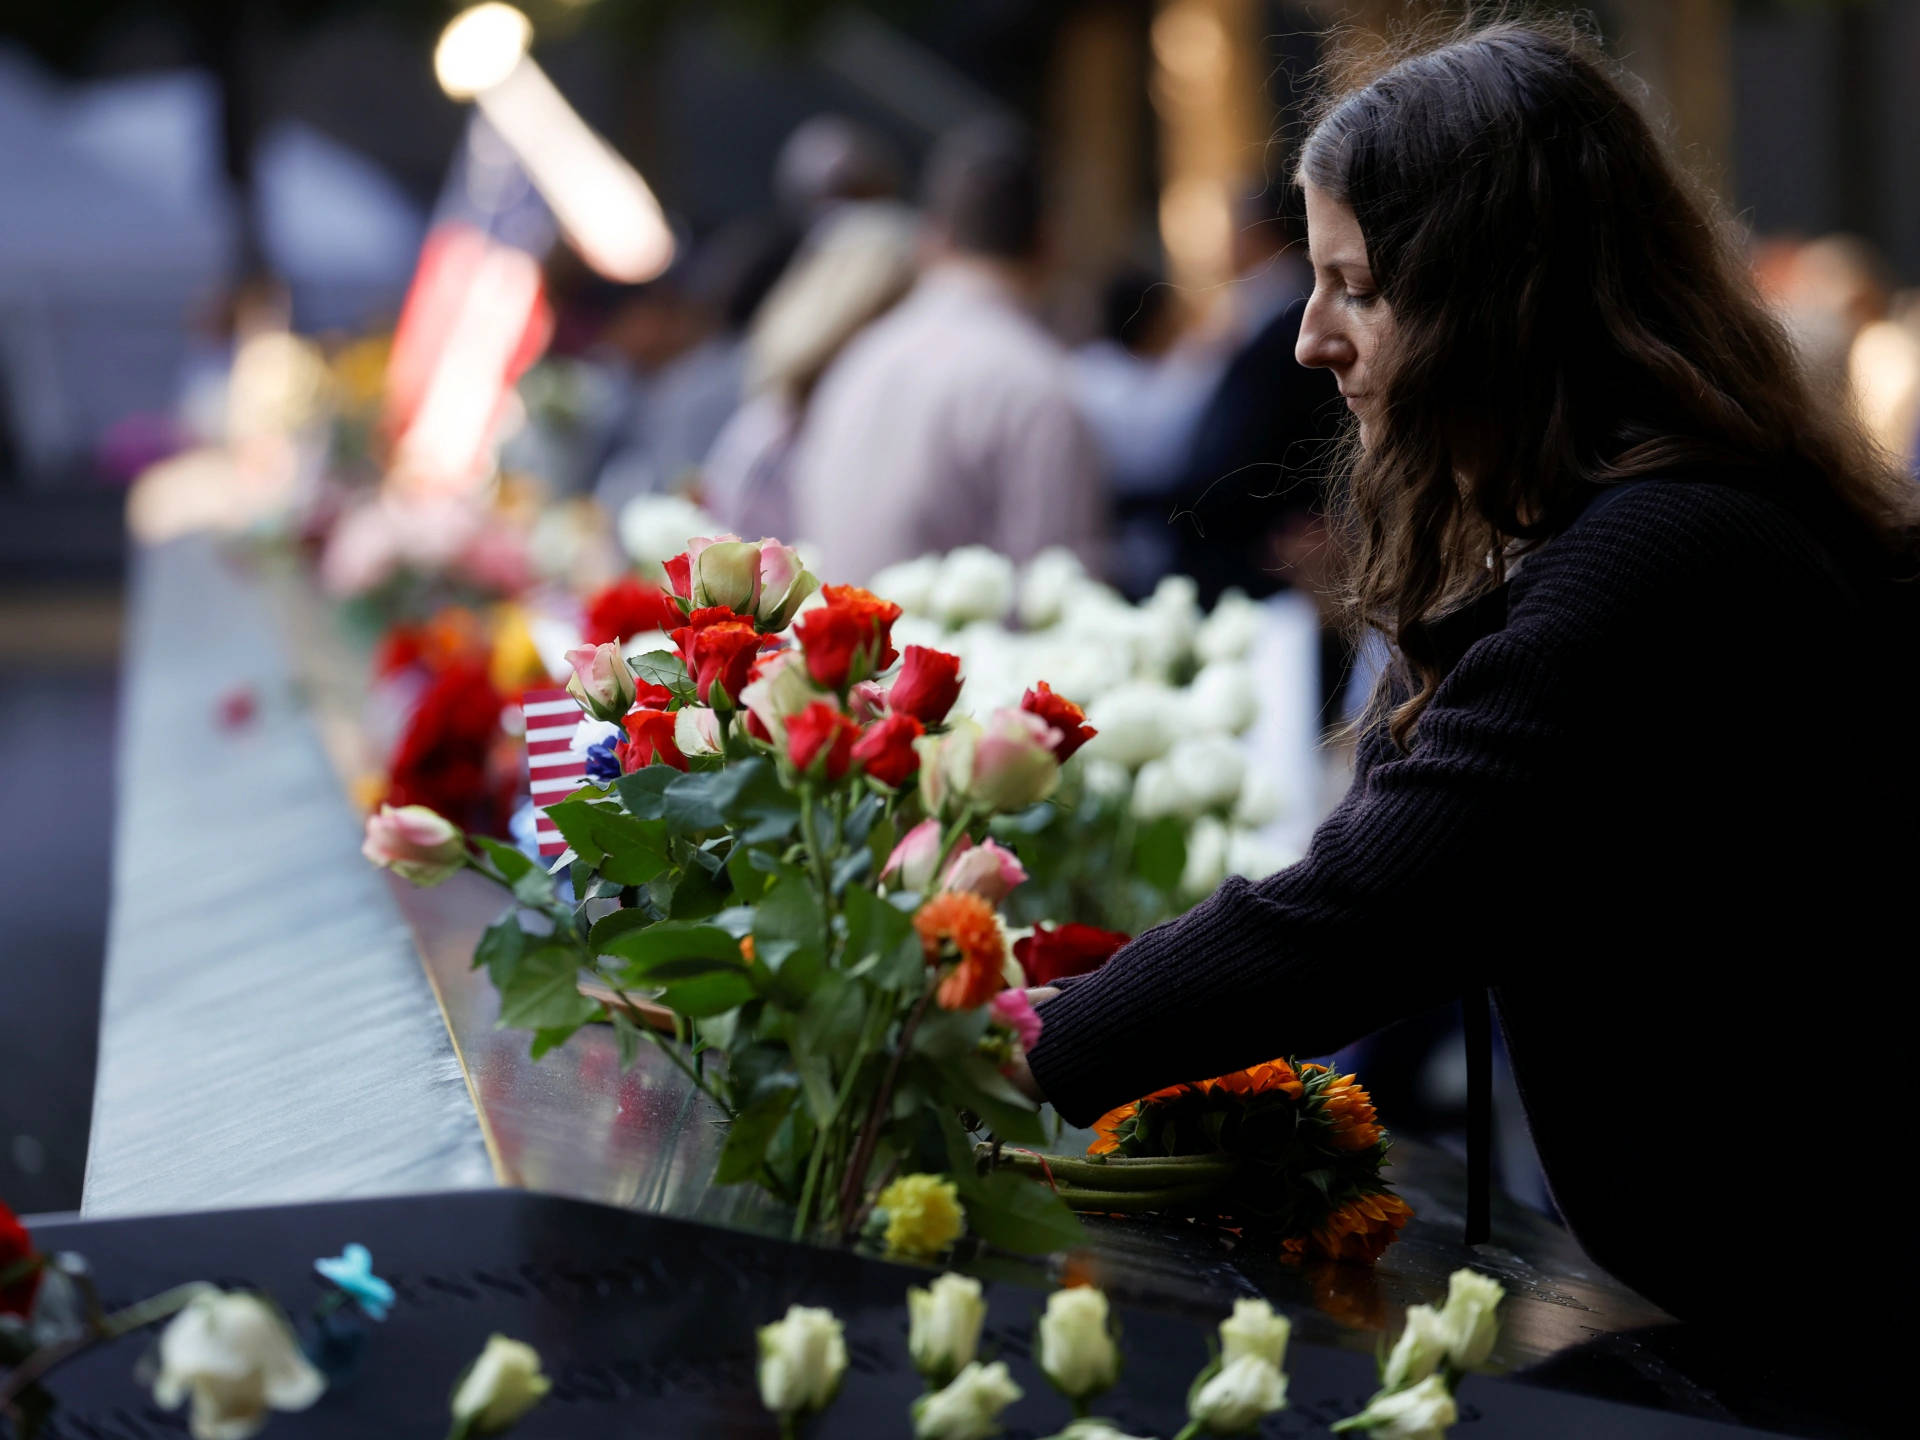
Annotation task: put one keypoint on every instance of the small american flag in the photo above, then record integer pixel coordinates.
(555, 769)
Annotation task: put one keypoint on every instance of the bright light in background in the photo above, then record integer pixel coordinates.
(608, 213)
(480, 48)
(1211, 131)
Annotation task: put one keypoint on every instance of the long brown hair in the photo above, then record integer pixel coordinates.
(1570, 312)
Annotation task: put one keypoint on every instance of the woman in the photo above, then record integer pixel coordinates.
(1643, 764)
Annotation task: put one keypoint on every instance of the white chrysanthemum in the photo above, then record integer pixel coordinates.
(1225, 698)
(909, 585)
(1047, 585)
(655, 528)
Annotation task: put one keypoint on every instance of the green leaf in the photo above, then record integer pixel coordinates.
(668, 941)
(1017, 1213)
(663, 667)
(644, 791)
(754, 804)
(710, 994)
(620, 847)
(851, 867)
(700, 894)
(830, 1022)
(1030, 821)
(501, 946)
(1160, 853)
(691, 802)
(614, 923)
(551, 1038)
(976, 1085)
(860, 821)
(881, 943)
(627, 1036)
(745, 1149)
(544, 992)
(507, 860)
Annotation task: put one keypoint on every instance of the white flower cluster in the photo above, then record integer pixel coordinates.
(1178, 749)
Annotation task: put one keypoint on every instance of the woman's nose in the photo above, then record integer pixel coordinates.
(1321, 346)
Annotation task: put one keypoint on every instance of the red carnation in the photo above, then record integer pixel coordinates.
(848, 638)
(1050, 955)
(821, 730)
(628, 607)
(717, 644)
(649, 741)
(16, 1246)
(886, 750)
(1061, 713)
(928, 684)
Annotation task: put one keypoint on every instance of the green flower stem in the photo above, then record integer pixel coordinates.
(1188, 1431)
(1134, 1202)
(876, 1114)
(1149, 1173)
(122, 1322)
(671, 1052)
(803, 1217)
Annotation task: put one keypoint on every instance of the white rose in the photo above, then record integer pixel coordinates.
(1207, 857)
(802, 1359)
(235, 1357)
(1224, 699)
(1470, 1317)
(909, 584)
(783, 689)
(1211, 770)
(1233, 1401)
(969, 1407)
(1421, 1413)
(1137, 721)
(1232, 630)
(975, 584)
(1156, 791)
(943, 1326)
(696, 730)
(1262, 801)
(1076, 1350)
(1047, 586)
(1419, 1350)
(504, 1384)
(1255, 1329)
(655, 528)
(1255, 857)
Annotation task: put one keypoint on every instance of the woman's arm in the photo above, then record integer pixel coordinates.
(1396, 908)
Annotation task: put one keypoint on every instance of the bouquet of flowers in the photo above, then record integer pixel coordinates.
(1293, 1149)
(787, 853)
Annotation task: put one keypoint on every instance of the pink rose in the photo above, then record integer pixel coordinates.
(602, 683)
(1012, 1009)
(1013, 764)
(913, 859)
(867, 701)
(784, 585)
(416, 843)
(990, 871)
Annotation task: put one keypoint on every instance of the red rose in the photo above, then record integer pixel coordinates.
(446, 758)
(649, 742)
(886, 750)
(821, 730)
(16, 1246)
(627, 607)
(717, 644)
(928, 685)
(848, 638)
(651, 697)
(680, 575)
(1061, 713)
(1050, 955)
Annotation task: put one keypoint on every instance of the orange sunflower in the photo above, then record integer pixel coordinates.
(1359, 1229)
(1349, 1110)
(959, 928)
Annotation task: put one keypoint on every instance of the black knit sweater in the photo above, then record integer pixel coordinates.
(1664, 804)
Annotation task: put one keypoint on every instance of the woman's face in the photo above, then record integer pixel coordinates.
(1347, 326)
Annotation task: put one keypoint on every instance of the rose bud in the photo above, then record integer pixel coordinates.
(415, 843)
(503, 1385)
(1235, 1400)
(719, 650)
(969, 1406)
(785, 585)
(696, 731)
(1075, 1347)
(912, 861)
(886, 751)
(1012, 762)
(802, 1359)
(943, 1326)
(848, 638)
(650, 741)
(726, 571)
(680, 576)
(1421, 1413)
(1472, 1325)
(234, 1356)
(927, 686)
(821, 734)
(867, 701)
(990, 871)
(1012, 1010)
(1063, 715)
(1252, 1329)
(1048, 955)
(602, 684)
(778, 691)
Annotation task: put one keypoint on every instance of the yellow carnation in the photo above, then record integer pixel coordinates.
(923, 1214)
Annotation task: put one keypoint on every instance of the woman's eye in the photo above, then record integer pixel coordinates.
(1362, 297)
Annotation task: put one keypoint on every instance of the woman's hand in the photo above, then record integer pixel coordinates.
(1018, 1072)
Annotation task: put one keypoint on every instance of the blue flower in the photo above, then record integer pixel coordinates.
(352, 1271)
(602, 764)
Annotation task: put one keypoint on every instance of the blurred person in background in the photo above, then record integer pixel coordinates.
(1140, 384)
(951, 420)
(856, 264)
(829, 159)
(680, 341)
(1827, 290)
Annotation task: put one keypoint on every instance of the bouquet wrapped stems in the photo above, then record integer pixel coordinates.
(1122, 1185)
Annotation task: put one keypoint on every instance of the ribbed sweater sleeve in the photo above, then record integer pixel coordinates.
(1399, 902)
